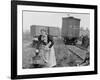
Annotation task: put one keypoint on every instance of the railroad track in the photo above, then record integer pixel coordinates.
(76, 54)
(79, 52)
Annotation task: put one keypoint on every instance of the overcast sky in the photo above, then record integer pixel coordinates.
(51, 19)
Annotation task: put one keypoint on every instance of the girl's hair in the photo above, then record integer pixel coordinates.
(44, 31)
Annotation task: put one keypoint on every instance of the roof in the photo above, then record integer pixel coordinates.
(71, 18)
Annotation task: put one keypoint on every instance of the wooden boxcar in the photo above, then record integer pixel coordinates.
(53, 31)
(70, 29)
(35, 30)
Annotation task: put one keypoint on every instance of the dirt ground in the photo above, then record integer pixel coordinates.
(64, 56)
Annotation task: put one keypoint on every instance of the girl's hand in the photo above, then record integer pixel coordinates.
(46, 47)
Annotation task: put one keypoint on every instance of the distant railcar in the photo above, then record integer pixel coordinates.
(35, 30)
(53, 31)
(70, 29)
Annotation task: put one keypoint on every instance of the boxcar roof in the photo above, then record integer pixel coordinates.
(71, 18)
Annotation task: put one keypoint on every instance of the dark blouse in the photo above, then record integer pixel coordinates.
(49, 39)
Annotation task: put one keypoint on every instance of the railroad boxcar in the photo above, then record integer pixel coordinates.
(70, 29)
(53, 31)
(35, 30)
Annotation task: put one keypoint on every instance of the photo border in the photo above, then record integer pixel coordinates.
(14, 39)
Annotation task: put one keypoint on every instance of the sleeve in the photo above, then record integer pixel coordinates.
(39, 38)
(51, 40)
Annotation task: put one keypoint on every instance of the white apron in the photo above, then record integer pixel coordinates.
(49, 56)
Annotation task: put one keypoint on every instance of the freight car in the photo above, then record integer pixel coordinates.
(35, 32)
(70, 29)
(53, 31)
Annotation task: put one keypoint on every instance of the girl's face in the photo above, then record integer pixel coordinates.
(43, 33)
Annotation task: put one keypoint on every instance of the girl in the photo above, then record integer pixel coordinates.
(47, 49)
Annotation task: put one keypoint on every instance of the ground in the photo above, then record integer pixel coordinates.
(65, 56)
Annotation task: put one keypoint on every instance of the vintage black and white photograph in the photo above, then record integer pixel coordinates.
(53, 39)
